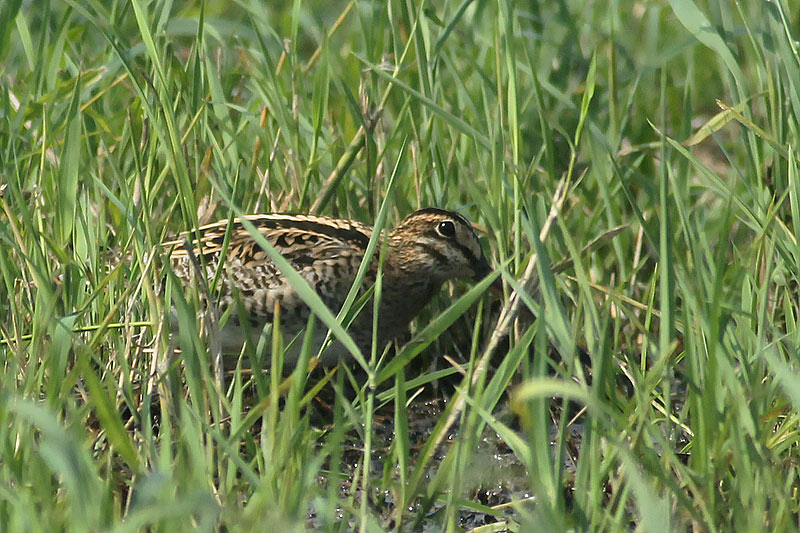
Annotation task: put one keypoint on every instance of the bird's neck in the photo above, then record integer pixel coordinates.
(403, 295)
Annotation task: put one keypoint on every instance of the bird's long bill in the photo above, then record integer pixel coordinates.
(482, 269)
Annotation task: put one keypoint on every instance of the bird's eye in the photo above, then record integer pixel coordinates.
(446, 229)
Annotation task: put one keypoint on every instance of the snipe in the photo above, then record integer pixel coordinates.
(426, 249)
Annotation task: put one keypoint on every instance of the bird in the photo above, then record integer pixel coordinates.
(426, 249)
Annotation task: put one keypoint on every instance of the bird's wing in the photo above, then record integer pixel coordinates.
(325, 251)
(303, 240)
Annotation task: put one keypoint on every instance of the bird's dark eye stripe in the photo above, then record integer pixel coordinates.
(471, 258)
(434, 252)
(467, 253)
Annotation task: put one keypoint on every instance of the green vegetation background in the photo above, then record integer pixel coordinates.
(673, 260)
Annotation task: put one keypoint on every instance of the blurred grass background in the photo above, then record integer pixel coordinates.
(673, 124)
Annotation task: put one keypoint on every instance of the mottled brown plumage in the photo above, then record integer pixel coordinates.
(428, 248)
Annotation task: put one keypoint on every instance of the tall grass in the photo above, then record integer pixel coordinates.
(635, 166)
